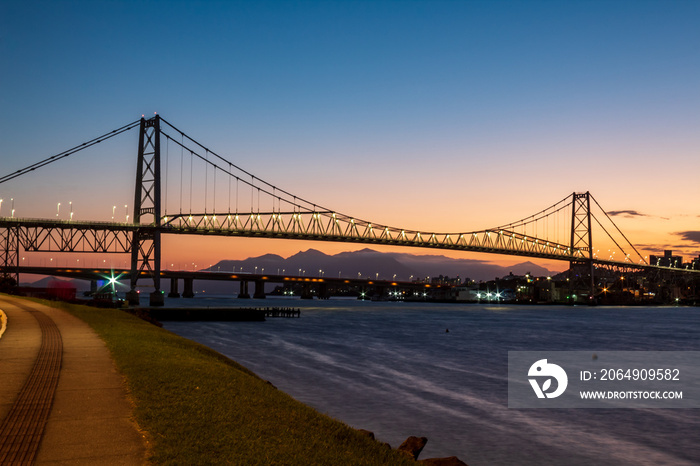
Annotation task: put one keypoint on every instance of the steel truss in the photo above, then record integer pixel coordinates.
(75, 238)
(331, 226)
(9, 254)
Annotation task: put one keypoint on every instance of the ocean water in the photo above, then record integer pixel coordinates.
(393, 369)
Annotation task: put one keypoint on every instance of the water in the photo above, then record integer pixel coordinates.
(393, 369)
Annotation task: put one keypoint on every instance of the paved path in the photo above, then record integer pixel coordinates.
(89, 421)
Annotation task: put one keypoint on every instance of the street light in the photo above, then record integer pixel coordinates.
(58, 209)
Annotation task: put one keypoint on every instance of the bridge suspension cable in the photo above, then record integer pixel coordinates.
(229, 168)
(68, 152)
(643, 260)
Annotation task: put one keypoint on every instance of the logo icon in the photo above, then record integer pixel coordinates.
(544, 369)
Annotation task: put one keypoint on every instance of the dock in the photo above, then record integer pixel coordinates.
(216, 314)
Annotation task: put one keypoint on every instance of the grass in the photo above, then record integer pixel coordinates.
(199, 407)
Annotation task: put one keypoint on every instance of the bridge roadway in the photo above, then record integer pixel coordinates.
(321, 284)
(48, 235)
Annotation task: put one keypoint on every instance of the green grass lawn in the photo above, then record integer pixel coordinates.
(199, 407)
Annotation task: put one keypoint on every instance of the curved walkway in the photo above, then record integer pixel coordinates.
(89, 420)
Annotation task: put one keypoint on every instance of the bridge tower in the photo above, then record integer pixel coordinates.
(581, 267)
(9, 254)
(145, 245)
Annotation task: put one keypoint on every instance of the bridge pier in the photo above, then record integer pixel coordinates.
(306, 291)
(259, 289)
(132, 297)
(173, 289)
(188, 289)
(157, 298)
(323, 291)
(93, 287)
(243, 294)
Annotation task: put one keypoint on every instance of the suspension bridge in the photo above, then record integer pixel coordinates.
(239, 204)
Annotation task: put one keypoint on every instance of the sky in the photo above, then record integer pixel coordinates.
(429, 115)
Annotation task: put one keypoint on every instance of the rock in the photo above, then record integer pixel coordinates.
(448, 461)
(367, 433)
(413, 446)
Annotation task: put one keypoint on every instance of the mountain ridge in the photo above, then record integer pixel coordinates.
(369, 263)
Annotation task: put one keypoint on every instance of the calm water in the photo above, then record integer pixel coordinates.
(391, 368)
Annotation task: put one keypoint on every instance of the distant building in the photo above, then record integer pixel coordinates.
(667, 260)
(695, 264)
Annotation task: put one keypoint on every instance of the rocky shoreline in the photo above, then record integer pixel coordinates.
(413, 446)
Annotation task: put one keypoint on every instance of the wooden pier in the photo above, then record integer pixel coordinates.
(282, 312)
(216, 314)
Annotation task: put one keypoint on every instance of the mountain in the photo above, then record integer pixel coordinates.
(368, 263)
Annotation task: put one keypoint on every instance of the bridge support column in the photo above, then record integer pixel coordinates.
(581, 271)
(188, 289)
(132, 297)
(157, 298)
(173, 289)
(323, 291)
(379, 292)
(93, 287)
(259, 289)
(145, 242)
(243, 294)
(306, 291)
(9, 257)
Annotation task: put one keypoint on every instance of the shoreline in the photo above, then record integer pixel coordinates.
(196, 404)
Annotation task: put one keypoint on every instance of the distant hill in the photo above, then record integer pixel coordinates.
(369, 263)
(366, 263)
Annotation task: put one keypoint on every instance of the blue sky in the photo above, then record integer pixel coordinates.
(448, 116)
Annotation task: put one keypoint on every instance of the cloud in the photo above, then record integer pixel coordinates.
(626, 213)
(632, 214)
(693, 236)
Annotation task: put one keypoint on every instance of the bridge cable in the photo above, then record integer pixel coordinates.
(253, 177)
(528, 219)
(300, 204)
(69, 152)
(606, 232)
(616, 227)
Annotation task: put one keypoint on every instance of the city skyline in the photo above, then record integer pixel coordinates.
(440, 116)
